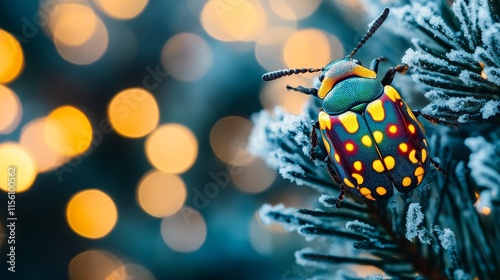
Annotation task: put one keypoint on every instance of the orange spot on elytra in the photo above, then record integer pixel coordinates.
(403, 147)
(349, 147)
(411, 128)
(393, 129)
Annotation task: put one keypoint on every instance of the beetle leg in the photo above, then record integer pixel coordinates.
(335, 177)
(314, 139)
(391, 72)
(333, 174)
(375, 62)
(437, 166)
(434, 120)
(309, 91)
(340, 198)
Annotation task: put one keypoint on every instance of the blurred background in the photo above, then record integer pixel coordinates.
(128, 122)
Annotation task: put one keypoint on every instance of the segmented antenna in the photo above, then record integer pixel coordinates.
(287, 72)
(373, 27)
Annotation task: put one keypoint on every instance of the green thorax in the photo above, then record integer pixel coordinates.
(350, 93)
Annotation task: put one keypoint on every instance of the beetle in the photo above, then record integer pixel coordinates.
(374, 141)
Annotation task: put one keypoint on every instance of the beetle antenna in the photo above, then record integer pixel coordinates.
(372, 28)
(287, 72)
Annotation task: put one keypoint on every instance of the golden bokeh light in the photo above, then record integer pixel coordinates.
(364, 271)
(16, 163)
(237, 20)
(275, 94)
(254, 177)
(72, 24)
(485, 210)
(88, 52)
(122, 9)
(172, 148)
(186, 57)
(185, 231)
(69, 132)
(131, 271)
(294, 9)
(311, 48)
(352, 5)
(91, 213)
(11, 57)
(10, 109)
(34, 142)
(229, 140)
(161, 194)
(269, 48)
(133, 112)
(93, 264)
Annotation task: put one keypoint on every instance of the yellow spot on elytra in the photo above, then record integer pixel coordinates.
(411, 128)
(350, 121)
(348, 183)
(365, 191)
(358, 178)
(419, 173)
(369, 197)
(337, 157)
(378, 166)
(425, 143)
(349, 147)
(326, 144)
(410, 113)
(419, 179)
(403, 147)
(424, 155)
(358, 165)
(381, 190)
(392, 93)
(378, 136)
(389, 162)
(366, 140)
(412, 157)
(393, 129)
(376, 110)
(406, 181)
(324, 121)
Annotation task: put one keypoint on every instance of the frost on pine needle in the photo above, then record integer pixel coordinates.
(484, 163)
(290, 154)
(456, 57)
(414, 219)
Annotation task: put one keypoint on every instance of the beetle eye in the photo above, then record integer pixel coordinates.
(356, 61)
(321, 77)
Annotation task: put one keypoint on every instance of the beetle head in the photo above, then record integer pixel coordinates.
(337, 70)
